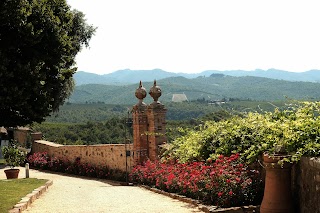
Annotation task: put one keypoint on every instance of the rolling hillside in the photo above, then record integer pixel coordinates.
(124, 77)
(215, 87)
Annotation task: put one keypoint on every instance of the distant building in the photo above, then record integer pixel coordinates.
(179, 97)
(217, 102)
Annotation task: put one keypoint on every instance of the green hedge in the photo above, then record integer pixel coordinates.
(295, 130)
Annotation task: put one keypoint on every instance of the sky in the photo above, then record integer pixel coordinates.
(192, 36)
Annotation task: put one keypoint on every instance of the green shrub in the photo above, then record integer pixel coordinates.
(12, 155)
(295, 130)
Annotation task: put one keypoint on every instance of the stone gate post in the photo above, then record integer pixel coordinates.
(140, 127)
(149, 125)
(156, 115)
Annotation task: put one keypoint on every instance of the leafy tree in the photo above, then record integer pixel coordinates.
(39, 40)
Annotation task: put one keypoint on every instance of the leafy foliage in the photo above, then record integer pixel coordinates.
(296, 129)
(187, 111)
(178, 128)
(110, 132)
(38, 43)
(12, 155)
(83, 113)
(106, 121)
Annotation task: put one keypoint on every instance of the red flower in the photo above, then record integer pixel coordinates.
(198, 179)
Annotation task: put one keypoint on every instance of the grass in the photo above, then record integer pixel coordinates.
(11, 191)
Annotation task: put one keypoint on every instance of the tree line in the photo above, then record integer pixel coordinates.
(85, 124)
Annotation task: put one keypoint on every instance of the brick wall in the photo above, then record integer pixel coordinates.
(306, 185)
(111, 155)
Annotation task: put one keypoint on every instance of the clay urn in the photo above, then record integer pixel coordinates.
(277, 196)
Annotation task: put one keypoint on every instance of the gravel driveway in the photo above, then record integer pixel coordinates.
(80, 195)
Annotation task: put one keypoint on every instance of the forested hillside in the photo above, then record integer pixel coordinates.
(112, 131)
(215, 87)
(82, 113)
(99, 112)
(102, 123)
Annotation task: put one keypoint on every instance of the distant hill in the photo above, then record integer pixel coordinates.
(215, 87)
(123, 77)
(308, 76)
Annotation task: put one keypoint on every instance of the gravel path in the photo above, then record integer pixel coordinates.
(80, 195)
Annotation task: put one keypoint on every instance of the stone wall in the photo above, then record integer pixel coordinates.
(305, 175)
(21, 135)
(111, 155)
(306, 185)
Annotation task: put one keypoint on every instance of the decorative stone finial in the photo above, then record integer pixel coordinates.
(141, 92)
(155, 91)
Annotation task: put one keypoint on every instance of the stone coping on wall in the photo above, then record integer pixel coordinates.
(205, 208)
(99, 145)
(49, 143)
(26, 201)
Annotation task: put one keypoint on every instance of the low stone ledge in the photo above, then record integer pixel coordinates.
(48, 143)
(26, 201)
(205, 208)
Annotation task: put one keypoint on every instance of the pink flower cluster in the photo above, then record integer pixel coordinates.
(41, 160)
(225, 182)
(38, 160)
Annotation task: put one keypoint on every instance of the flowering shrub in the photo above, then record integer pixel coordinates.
(38, 160)
(225, 182)
(42, 161)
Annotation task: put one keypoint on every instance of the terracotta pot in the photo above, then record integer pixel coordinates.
(12, 173)
(277, 196)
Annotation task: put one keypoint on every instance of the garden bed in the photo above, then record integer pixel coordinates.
(224, 183)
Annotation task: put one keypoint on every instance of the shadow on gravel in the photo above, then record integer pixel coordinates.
(110, 182)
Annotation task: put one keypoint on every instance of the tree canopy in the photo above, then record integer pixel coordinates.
(39, 40)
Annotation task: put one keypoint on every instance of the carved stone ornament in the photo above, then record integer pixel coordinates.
(140, 93)
(155, 91)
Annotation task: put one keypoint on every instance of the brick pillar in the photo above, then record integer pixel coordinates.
(140, 127)
(156, 123)
(36, 136)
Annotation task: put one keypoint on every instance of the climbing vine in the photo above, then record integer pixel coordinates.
(295, 131)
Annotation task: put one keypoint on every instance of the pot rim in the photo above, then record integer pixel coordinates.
(11, 170)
